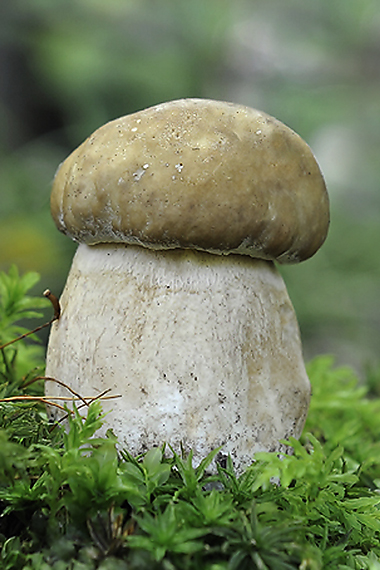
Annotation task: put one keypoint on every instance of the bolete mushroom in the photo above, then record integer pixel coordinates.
(173, 299)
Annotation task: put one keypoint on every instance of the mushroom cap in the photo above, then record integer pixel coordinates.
(195, 174)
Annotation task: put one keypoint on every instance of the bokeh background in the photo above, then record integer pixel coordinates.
(68, 66)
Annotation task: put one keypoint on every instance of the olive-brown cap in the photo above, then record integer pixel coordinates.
(195, 174)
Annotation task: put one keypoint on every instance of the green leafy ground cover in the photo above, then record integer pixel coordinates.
(71, 500)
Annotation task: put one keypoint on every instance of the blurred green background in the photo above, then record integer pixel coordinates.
(68, 66)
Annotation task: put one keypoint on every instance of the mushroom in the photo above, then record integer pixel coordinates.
(173, 299)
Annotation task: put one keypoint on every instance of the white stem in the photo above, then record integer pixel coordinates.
(204, 349)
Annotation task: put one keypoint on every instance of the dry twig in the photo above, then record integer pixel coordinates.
(57, 312)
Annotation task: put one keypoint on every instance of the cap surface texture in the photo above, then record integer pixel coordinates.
(195, 174)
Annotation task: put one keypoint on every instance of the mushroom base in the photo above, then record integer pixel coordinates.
(204, 349)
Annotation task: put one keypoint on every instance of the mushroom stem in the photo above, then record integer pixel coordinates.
(204, 349)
